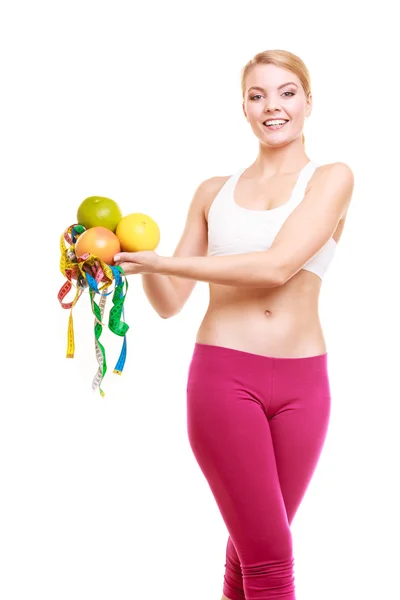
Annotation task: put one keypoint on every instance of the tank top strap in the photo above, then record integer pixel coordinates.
(302, 182)
(233, 179)
(224, 196)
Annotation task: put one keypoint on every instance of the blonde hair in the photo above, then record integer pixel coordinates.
(283, 59)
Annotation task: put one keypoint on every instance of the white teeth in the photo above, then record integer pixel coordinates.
(275, 122)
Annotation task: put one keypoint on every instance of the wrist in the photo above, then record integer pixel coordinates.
(162, 265)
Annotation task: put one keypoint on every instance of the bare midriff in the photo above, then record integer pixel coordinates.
(281, 321)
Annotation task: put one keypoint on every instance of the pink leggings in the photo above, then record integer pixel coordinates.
(257, 425)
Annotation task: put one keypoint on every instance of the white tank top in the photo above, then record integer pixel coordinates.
(233, 229)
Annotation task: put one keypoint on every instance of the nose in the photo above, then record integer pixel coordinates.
(271, 106)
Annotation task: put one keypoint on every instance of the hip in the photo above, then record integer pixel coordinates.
(220, 378)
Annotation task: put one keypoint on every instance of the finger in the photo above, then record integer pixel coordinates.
(129, 268)
(124, 257)
(118, 258)
(126, 267)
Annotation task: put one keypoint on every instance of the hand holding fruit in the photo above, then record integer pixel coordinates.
(146, 261)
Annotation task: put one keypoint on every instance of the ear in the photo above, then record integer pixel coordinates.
(244, 111)
(309, 105)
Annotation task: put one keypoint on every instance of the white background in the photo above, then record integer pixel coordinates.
(101, 498)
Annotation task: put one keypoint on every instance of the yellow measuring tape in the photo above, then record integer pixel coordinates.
(90, 271)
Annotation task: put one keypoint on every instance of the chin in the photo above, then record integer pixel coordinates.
(275, 143)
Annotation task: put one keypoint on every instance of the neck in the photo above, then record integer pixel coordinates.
(280, 160)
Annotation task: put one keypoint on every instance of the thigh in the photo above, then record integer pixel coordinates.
(299, 424)
(231, 439)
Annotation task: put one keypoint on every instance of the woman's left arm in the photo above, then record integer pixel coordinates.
(303, 234)
(253, 269)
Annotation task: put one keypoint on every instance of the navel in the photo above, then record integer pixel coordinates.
(267, 312)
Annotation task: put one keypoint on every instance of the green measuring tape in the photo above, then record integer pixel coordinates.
(89, 271)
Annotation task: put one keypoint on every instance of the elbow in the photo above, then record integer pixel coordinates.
(277, 282)
(168, 315)
(277, 278)
(271, 270)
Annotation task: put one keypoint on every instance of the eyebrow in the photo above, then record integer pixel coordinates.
(256, 87)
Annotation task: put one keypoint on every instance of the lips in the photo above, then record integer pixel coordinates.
(276, 127)
(286, 120)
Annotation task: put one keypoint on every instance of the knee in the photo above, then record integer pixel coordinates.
(271, 544)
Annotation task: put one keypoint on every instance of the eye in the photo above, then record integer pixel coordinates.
(259, 95)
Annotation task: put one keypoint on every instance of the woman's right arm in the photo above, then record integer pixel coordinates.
(168, 294)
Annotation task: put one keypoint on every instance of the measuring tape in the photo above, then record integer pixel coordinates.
(90, 271)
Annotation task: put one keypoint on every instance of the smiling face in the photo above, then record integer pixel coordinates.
(272, 92)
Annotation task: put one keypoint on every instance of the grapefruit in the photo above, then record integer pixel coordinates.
(137, 232)
(98, 211)
(99, 241)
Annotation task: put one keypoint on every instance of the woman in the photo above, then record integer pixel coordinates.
(258, 395)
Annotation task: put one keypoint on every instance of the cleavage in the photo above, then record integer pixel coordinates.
(264, 196)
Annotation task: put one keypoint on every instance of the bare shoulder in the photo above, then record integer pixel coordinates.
(214, 184)
(337, 171)
(338, 177)
(210, 189)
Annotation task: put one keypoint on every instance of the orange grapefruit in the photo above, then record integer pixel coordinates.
(99, 241)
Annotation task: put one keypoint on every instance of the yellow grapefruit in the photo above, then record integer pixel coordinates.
(137, 232)
(98, 211)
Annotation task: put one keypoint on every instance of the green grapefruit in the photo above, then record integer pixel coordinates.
(98, 211)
